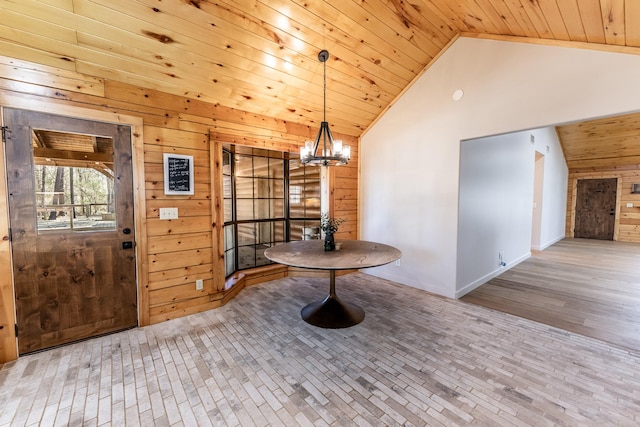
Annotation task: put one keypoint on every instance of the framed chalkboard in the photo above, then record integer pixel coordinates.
(178, 174)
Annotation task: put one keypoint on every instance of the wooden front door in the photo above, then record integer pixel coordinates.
(596, 208)
(72, 227)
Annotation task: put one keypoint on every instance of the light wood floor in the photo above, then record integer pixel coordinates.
(415, 360)
(591, 287)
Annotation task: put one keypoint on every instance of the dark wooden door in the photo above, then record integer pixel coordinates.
(596, 208)
(73, 262)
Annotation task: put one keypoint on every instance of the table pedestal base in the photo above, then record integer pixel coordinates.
(332, 313)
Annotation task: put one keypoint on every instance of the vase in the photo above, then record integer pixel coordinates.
(329, 243)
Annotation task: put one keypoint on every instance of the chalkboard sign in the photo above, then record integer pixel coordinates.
(178, 174)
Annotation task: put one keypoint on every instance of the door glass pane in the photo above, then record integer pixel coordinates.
(74, 183)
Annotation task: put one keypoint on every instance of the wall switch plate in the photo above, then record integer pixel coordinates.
(199, 284)
(168, 213)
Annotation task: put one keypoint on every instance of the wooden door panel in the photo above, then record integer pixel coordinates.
(69, 284)
(595, 208)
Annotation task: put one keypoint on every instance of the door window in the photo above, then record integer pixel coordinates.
(74, 186)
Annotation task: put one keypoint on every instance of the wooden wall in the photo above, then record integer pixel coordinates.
(627, 227)
(176, 252)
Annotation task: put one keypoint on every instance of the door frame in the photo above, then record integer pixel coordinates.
(574, 202)
(8, 339)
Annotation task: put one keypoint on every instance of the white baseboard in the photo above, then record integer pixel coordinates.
(495, 273)
(546, 245)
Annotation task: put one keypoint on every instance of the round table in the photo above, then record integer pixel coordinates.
(332, 312)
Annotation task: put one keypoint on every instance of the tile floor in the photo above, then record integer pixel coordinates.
(416, 360)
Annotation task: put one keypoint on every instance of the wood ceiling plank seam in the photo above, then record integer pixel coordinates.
(43, 11)
(307, 61)
(383, 33)
(614, 21)
(409, 23)
(499, 22)
(256, 133)
(29, 21)
(550, 12)
(537, 19)
(370, 53)
(486, 18)
(572, 20)
(303, 84)
(181, 24)
(345, 17)
(223, 78)
(504, 14)
(311, 116)
(190, 53)
(51, 79)
(445, 9)
(632, 23)
(521, 16)
(46, 69)
(60, 4)
(388, 79)
(476, 16)
(207, 112)
(29, 46)
(592, 20)
(357, 109)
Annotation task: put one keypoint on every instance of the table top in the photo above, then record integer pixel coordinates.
(352, 255)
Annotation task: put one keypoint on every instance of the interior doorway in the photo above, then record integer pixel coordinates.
(71, 211)
(538, 181)
(596, 208)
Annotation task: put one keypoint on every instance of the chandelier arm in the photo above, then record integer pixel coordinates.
(328, 157)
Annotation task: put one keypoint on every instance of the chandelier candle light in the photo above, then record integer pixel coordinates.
(332, 153)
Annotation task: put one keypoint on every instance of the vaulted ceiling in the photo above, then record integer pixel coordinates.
(260, 56)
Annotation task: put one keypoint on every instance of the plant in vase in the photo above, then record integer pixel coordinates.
(329, 226)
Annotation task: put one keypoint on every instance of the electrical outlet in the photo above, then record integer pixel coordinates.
(397, 263)
(199, 284)
(168, 213)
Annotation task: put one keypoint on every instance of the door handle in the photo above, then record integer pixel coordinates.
(126, 231)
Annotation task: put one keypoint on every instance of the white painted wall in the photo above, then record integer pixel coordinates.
(495, 211)
(410, 157)
(495, 216)
(554, 188)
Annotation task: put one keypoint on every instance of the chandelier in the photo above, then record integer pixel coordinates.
(332, 152)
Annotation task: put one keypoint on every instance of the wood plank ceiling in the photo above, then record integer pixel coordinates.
(261, 56)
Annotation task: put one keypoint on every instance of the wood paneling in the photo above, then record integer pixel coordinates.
(605, 142)
(8, 347)
(627, 227)
(260, 57)
(172, 253)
